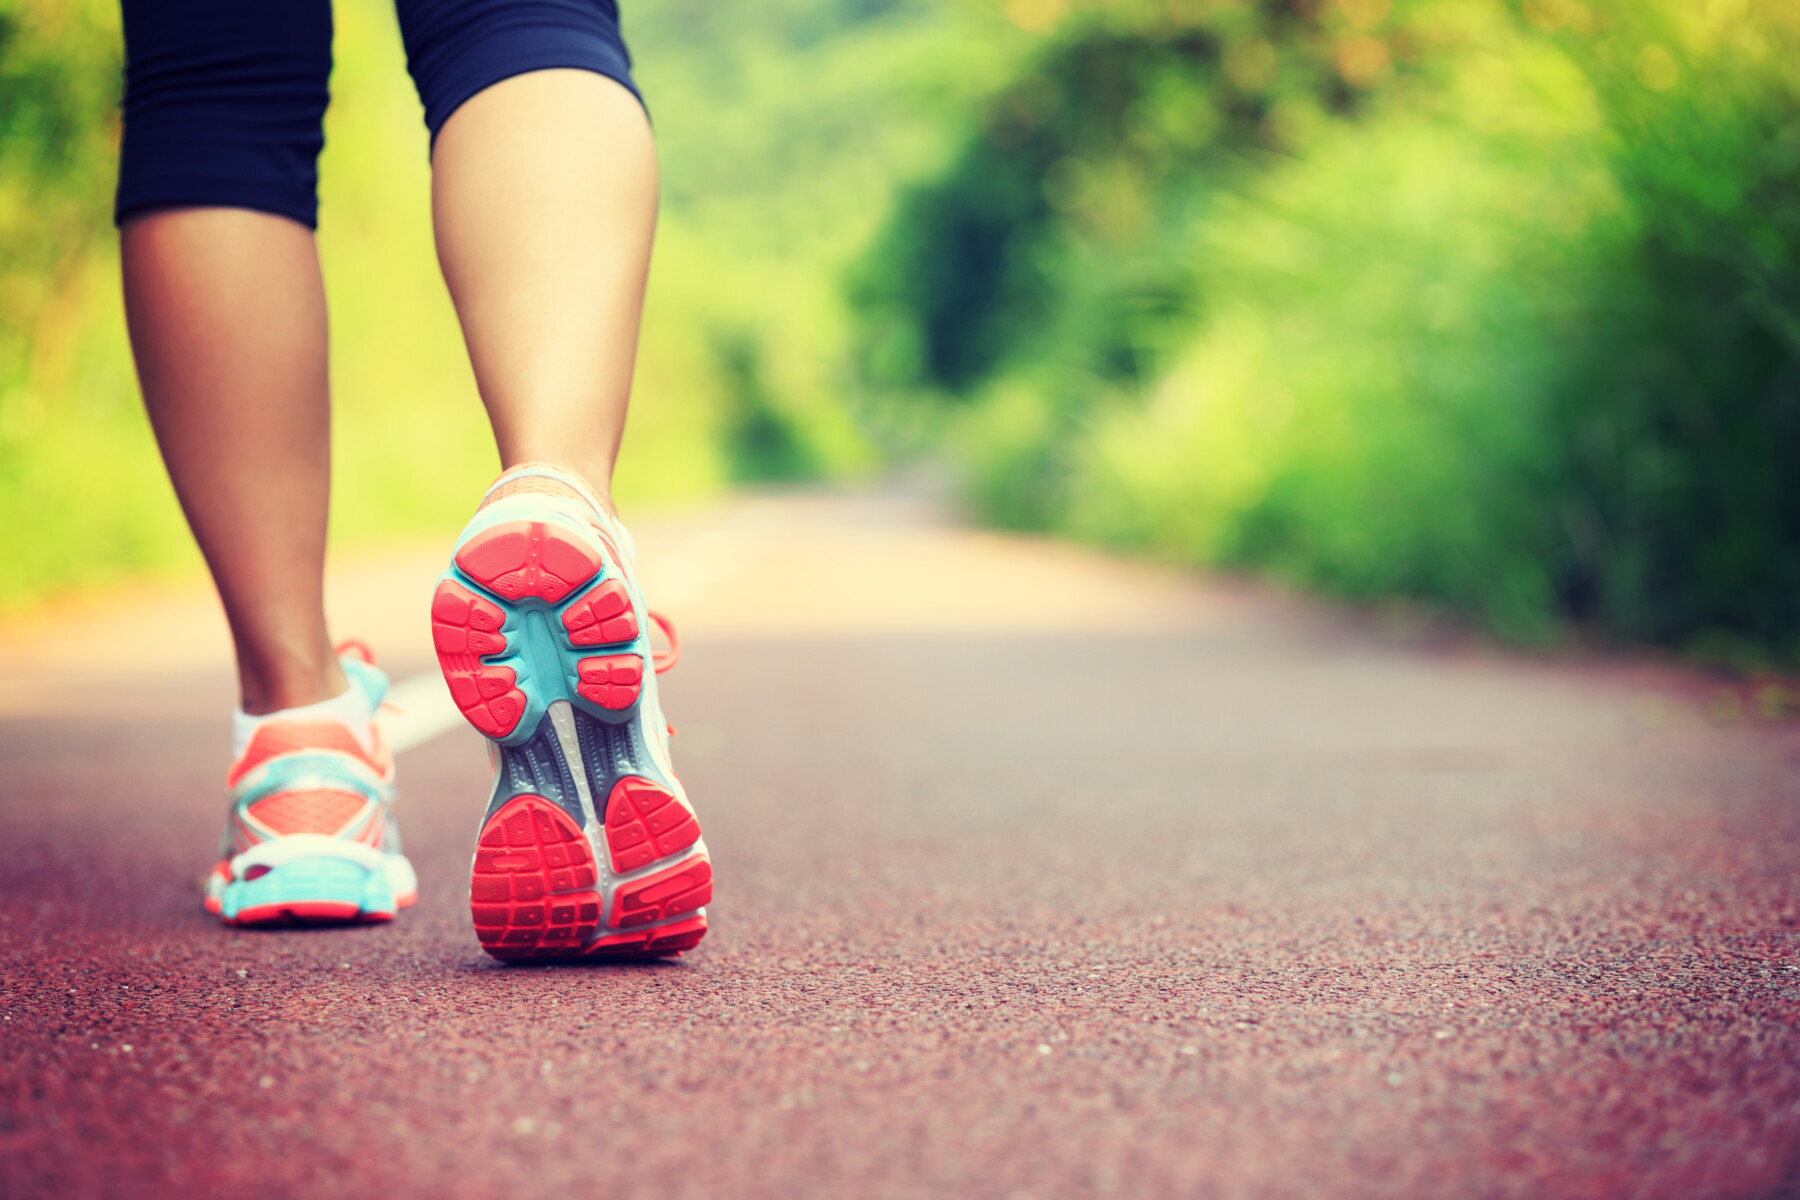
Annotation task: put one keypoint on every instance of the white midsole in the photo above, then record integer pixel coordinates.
(296, 846)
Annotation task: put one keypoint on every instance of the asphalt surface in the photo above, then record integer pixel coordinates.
(1043, 877)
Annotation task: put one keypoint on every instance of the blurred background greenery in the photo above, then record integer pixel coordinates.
(1493, 304)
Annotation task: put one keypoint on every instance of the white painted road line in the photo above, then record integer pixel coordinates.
(422, 709)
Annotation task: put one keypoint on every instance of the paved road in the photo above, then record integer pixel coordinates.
(1040, 876)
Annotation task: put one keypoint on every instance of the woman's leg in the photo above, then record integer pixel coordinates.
(217, 172)
(544, 193)
(227, 315)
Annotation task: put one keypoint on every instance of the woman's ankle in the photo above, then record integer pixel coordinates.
(264, 689)
(598, 483)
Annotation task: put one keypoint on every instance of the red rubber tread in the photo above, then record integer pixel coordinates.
(612, 682)
(644, 822)
(464, 628)
(305, 912)
(672, 938)
(213, 904)
(602, 617)
(528, 558)
(532, 892)
(680, 889)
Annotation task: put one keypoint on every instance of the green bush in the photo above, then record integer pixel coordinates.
(80, 494)
(1509, 325)
(782, 127)
(59, 83)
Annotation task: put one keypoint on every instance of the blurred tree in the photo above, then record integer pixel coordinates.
(59, 89)
(1488, 303)
(1100, 149)
(1681, 401)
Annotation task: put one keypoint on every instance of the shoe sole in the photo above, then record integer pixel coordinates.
(587, 847)
(311, 891)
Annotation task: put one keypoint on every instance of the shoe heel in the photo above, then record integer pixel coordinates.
(527, 566)
(516, 559)
(310, 891)
(533, 890)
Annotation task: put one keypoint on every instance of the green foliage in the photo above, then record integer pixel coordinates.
(81, 493)
(1058, 212)
(59, 63)
(764, 442)
(1681, 406)
(1491, 303)
(1491, 307)
(783, 127)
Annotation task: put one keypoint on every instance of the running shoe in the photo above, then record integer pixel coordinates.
(588, 846)
(310, 837)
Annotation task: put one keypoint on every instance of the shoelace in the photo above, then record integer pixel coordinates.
(355, 647)
(662, 660)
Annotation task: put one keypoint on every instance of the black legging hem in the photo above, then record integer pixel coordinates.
(225, 102)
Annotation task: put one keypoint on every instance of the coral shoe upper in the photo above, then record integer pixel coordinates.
(313, 777)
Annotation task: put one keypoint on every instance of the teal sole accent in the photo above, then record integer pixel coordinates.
(554, 671)
(545, 666)
(311, 882)
(334, 765)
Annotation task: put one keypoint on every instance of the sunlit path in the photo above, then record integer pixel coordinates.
(1040, 875)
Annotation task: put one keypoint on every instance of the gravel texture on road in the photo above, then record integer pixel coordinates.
(1262, 906)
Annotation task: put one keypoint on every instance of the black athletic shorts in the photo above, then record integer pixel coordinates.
(225, 99)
